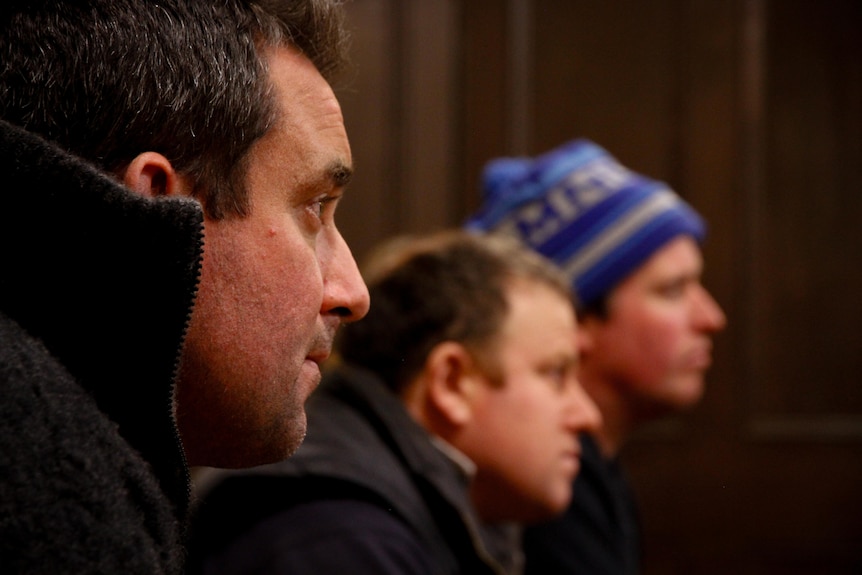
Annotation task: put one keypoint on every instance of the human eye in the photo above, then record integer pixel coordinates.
(559, 374)
(323, 207)
(673, 289)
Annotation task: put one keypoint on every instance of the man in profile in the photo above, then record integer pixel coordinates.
(172, 274)
(455, 407)
(631, 250)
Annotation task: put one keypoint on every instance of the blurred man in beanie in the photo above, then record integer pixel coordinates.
(631, 250)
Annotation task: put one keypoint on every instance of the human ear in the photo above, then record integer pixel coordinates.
(452, 382)
(151, 174)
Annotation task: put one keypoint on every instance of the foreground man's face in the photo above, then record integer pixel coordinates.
(275, 285)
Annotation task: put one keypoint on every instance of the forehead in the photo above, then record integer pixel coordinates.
(309, 118)
(540, 320)
(680, 257)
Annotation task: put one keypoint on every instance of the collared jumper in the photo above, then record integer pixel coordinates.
(96, 288)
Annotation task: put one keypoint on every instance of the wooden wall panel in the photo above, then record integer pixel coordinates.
(486, 99)
(370, 99)
(809, 237)
(752, 110)
(400, 101)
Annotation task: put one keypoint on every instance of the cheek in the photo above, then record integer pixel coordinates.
(268, 276)
(536, 437)
(498, 436)
(645, 347)
(259, 298)
(520, 458)
(658, 346)
(543, 474)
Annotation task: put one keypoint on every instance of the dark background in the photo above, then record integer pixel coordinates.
(752, 110)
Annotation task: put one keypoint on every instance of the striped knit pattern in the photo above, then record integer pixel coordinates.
(578, 206)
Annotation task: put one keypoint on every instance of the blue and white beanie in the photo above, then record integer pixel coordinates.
(578, 206)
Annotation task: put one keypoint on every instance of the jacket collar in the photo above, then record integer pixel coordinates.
(106, 280)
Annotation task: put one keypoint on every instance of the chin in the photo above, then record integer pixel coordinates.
(685, 393)
(552, 505)
(561, 503)
(291, 436)
(279, 443)
(692, 398)
(295, 444)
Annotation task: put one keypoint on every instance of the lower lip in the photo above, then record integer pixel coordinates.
(701, 360)
(311, 372)
(573, 463)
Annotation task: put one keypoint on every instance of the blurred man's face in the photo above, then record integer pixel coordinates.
(523, 436)
(275, 285)
(656, 343)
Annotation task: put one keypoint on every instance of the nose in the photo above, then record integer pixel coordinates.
(583, 414)
(344, 291)
(708, 315)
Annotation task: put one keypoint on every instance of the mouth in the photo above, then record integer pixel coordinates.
(311, 376)
(574, 455)
(314, 361)
(319, 356)
(572, 458)
(701, 357)
(320, 347)
(572, 464)
(701, 360)
(312, 365)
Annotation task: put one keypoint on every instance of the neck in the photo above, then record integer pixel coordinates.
(618, 422)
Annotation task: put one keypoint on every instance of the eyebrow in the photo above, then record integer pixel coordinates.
(339, 173)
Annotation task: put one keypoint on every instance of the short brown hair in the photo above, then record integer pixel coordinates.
(109, 79)
(447, 286)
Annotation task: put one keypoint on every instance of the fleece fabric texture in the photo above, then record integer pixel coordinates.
(96, 287)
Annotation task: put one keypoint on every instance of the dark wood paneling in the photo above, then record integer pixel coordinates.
(430, 159)
(809, 241)
(752, 110)
(401, 102)
(607, 71)
(485, 78)
(371, 102)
